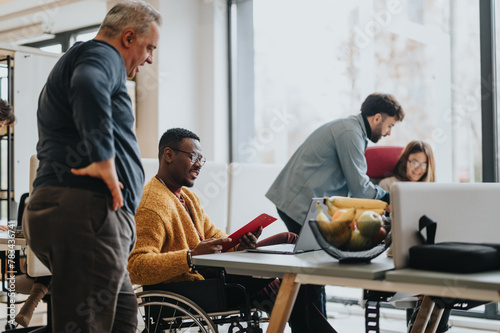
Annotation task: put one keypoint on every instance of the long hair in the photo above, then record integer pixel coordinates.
(412, 148)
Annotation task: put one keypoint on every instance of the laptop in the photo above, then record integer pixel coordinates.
(306, 241)
(464, 212)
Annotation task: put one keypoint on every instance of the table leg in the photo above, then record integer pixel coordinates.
(434, 320)
(423, 315)
(284, 304)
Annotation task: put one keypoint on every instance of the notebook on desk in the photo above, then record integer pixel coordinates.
(306, 241)
(464, 212)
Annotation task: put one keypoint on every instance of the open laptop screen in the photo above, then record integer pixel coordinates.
(306, 241)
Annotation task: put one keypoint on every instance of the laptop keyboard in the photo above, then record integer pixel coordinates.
(284, 248)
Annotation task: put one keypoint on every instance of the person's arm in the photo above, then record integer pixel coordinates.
(90, 91)
(249, 241)
(147, 264)
(351, 151)
(208, 246)
(386, 183)
(209, 230)
(214, 236)
(106, 171)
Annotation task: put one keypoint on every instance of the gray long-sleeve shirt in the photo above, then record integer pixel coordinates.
(331, 161)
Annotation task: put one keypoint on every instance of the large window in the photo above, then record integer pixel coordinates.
(64, 40)
(315, 61)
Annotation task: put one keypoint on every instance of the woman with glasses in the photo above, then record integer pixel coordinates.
(416, 164)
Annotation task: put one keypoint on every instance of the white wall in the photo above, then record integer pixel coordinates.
(192, 74)
(30, 74)
(185, 87)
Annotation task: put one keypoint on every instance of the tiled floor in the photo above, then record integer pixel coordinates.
(350, 319)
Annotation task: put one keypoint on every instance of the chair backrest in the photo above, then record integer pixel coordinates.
(247, 188)
(381, 161)
(150, 166)
(33, 167)
(35, 266)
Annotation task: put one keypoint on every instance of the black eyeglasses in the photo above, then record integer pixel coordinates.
(194, 156)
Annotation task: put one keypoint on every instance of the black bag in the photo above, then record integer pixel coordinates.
(456, 257)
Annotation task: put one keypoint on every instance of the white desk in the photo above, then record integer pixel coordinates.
(319, 268)
(477, 286)
(294, 271)
(277, 265)
(20, 243)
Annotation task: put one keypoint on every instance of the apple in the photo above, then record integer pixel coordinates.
(379, 236)
(369, 223)
(352, 225)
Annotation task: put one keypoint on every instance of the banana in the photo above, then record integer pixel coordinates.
(359, 212)
(347, 216)
(321, 215)
(331, 208)
(344, 202)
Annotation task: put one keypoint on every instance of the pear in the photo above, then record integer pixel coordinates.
(358, 242)
(369, 223)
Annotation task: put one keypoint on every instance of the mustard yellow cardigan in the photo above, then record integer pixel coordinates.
(165, 232)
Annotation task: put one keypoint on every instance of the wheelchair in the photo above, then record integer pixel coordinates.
(197, 306)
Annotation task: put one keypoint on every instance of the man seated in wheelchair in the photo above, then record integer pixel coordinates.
(172, 227)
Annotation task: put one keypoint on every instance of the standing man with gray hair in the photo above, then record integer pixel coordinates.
(80, 218)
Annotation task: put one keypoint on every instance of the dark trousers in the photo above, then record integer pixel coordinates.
(306, 316)
(86, 245)
(291, 224)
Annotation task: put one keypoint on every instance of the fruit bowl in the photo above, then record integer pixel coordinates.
(345, 256)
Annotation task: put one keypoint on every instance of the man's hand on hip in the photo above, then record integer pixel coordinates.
(106, 171)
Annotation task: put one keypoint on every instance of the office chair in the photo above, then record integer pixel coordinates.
(35, 268)
(381, 161)
(24, 282)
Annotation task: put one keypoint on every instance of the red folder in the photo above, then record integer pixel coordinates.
(263, 220)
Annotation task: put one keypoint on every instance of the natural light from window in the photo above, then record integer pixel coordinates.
(324, 57)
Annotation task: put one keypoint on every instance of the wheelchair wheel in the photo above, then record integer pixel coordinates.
(163, 311)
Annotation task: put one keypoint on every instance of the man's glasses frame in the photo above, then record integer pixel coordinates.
(194, 156)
